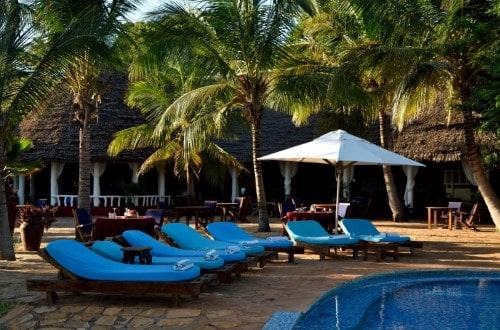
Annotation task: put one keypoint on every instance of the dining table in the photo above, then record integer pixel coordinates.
(326, 219)
(433, 214)
(113, 226)
(224, 208)
(199, 212)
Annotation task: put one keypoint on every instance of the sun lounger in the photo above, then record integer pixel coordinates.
(113, 251)
(186, 237)
(82, 270)
(159, 249)
(311, 234)
(232, 233)
(364, 230)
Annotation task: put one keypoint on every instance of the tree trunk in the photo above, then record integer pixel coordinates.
(190, 187)
(6, 243)
(483, 184)
(395, 204)
(84, 169)
(259, 181)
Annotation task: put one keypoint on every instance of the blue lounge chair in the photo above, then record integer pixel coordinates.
(186, 237)
(310, 233)
(82, 270)
(232, 233)
(159, 249)
(364, 230)
(85, 263)
(113, 251)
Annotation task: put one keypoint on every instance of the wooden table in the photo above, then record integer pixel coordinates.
(199, 212)
(110, 227)
(142, 252)
(224, 208)
(432, 213)
(380, 248)
(323, 207)
(326, 219)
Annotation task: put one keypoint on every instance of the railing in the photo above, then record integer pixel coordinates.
(113, 200)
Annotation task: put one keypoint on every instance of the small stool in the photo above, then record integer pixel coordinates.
(380, 248)
(143, 252)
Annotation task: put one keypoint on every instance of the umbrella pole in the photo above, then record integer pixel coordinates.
(338, 177)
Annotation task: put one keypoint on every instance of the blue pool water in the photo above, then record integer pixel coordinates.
(445, 299)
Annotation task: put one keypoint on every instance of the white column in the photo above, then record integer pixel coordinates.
(347, 175)
(135, 177)
(235, 189)
(161, 181)
(97, 171)
(56, 169)
(288, 171)
(20, 188)
(411, 172)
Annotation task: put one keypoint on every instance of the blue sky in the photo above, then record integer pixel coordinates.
(146, 6)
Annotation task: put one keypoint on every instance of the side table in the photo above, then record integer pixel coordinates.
(143, 252)
(380, 248)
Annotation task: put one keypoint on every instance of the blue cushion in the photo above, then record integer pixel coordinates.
(83, 262)
(366, 231)
(159, 249)
(311, 232)
(232, 233)
(112, 250)
(188, 238)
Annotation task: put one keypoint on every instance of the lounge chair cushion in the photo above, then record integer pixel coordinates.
(85, 263)
(311, 232)
(113, 251)
(232, 233)
(187, 238)
(366, 231)
(159, 249)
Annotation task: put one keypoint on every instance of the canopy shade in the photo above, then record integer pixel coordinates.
(342, 150)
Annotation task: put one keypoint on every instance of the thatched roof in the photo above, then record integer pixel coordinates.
(429, 138)
(56, 137)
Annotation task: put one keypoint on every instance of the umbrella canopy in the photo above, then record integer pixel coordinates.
(340, 149)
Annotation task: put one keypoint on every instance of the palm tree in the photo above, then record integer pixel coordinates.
(243, 42)
(85, 79)
(437, 46)
(352, 91)
(180, 135)
(27, 81)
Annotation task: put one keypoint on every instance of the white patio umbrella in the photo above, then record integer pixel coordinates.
(341, 150)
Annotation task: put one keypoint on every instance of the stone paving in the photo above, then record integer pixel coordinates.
(246, 302)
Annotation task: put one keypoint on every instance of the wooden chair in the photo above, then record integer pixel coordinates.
(456, 206)
(83, 224)
(244, 209)
(468, 219)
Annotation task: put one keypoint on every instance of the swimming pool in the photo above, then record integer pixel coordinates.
(432, 299)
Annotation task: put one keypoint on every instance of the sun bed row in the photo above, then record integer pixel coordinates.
(195, 261)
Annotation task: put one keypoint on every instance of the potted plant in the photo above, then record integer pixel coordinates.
(33, 221)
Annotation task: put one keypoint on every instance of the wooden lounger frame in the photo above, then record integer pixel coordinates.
(69, 282)
(325, 250)
(290, 250)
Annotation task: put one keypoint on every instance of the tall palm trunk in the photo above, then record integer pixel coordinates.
(392, 194)
(6, 244)
(483, 184)
(190, 187)
(84, 168)
(259, 176)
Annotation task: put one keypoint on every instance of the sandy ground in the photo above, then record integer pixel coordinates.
(246, 302)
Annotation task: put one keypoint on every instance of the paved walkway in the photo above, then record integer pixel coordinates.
(246, 302)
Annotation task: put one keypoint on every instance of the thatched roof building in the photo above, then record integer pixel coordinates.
(56, 138)
(429, 138)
